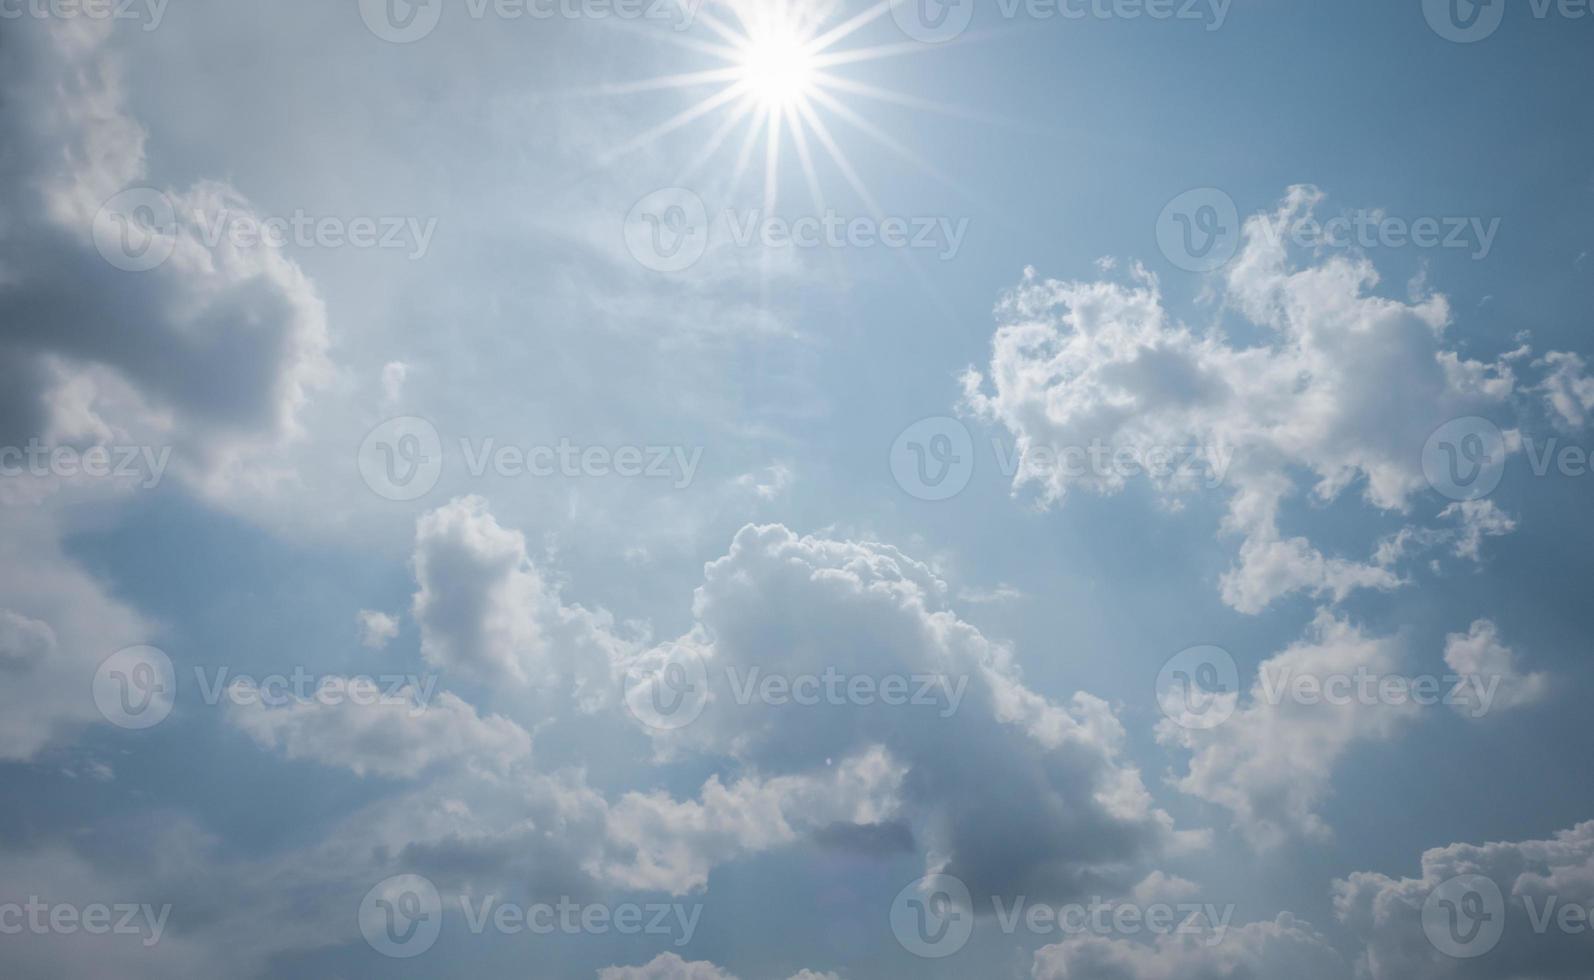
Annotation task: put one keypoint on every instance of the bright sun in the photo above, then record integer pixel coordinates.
(776, 85)
(778, 68)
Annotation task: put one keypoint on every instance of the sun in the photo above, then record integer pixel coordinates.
(774, 87)
(777, 68)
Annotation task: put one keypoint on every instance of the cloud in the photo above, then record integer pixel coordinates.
(485, 609)
(358, 724)
(1342, 385)
(377, 629)
(1479, 653)
(1271, 763)
(1533, 876)
(213, 351)
(668, 966)
(1059, 812)
(1285, 947)
(1567, 389)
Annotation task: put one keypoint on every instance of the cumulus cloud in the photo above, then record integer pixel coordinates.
(358, 724)
(377, 629)
(1060, 810)
(485, 609)
(1271, 763)
(213, 351)
(1343, 384)
(1480, 653)
(1567, 389)
(1536, 879)
(1285, 947)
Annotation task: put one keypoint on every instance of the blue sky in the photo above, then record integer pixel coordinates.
(434, 486)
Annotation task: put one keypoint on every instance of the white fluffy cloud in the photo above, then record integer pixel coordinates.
(1285, 947)
(1532, 876)
(1271, 763)
(358, 724)
(1059, 809)
(668, 966)
(377, 629)
(1342, 384)
(1480, 653)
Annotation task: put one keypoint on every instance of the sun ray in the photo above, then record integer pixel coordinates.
(717, 139)
(675, 122)
(825, 41)
(688, 79)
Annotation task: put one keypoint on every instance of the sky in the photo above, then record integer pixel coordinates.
(796, 490)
